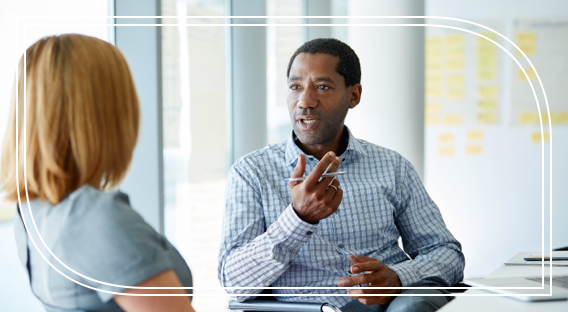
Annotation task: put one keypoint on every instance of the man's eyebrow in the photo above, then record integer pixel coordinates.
(326, 79)
(298, 78)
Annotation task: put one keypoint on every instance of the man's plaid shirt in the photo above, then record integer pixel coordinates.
(264, 243)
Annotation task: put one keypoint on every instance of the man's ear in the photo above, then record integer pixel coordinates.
(356, 90)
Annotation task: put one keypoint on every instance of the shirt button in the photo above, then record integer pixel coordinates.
(309, 232)
(341, 245)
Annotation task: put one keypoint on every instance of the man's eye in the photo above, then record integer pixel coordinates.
(294, 87)
(323, 87)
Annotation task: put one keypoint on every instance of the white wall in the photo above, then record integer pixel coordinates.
(492, 202)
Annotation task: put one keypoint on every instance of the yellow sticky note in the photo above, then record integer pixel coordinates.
(455, 93)
(455, 53)
(487, 118)
(486, 51)
(555, 118)
(543, 116)
(536, 137)
(433, 54)
(457, 64)
(525, 37)
(483, 41)
(564, 118)
(433, 107)
(446, 151)
(433, 91)
(455, 79)
(473, 149)
(486, 62)
(486, 74)
(526, 42)
(432, 120)
(453, 120)
(485, 104)
(475, 135)
(433, 79)
(529, 118)
(530, 72)
(445, 137)
(433, 67)
(485, 91)
(434, 43)
(527, 49)
(454, 40)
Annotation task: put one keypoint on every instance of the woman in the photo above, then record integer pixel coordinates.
(85, 246)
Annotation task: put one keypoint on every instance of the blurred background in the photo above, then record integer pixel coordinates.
(457, 105)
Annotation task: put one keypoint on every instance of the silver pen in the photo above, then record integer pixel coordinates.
(325, 175)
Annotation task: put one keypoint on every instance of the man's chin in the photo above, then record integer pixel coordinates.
(307, 139)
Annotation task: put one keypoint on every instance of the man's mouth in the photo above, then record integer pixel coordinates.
(307, 121)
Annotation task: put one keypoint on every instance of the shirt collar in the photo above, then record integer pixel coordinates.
(292, 150)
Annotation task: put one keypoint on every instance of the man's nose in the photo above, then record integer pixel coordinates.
(308, 98)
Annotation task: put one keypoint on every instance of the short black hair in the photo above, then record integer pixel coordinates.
(348, 66)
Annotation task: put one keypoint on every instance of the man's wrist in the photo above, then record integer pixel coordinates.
(405, 273)
(293, 225)
(300, 217)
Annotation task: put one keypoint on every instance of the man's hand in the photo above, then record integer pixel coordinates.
(315, 200)
(377, 274)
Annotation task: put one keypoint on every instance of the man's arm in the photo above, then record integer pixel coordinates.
(253, 256)
(436, 255)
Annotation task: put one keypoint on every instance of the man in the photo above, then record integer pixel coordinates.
(316, 233)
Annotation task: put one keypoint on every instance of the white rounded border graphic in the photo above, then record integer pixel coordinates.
(287, 25)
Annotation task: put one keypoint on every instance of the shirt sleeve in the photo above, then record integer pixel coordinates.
(252, 255)
(114, 248)
(436, 256)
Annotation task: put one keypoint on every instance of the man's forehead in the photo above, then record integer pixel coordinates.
(322, 65)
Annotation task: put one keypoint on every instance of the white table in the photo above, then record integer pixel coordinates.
(490, 304)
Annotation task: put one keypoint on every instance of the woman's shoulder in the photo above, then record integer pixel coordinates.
(104, 234)
(88, 197)
(105, 216)
(93, 207)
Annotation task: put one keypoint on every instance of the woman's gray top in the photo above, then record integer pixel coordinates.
(99, 236)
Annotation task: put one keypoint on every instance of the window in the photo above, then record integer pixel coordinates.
(195, 139)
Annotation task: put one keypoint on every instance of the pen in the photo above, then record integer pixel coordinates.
(325, 175)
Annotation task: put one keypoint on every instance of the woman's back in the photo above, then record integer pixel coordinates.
(98, 235)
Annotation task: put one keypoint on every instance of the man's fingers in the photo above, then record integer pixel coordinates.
(356, 280)
(319, 169)
(300, 167)
(373, 266)
(331, 168)
(298, 171)
(337, 198)
(361, 259)
(332, 189)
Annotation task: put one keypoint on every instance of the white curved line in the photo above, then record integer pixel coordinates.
(350, 25)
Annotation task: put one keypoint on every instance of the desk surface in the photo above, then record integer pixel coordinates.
(490, 304)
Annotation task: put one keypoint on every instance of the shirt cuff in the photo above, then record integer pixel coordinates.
(406, 274)
(295, 231)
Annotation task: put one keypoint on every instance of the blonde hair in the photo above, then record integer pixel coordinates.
(82, 119)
